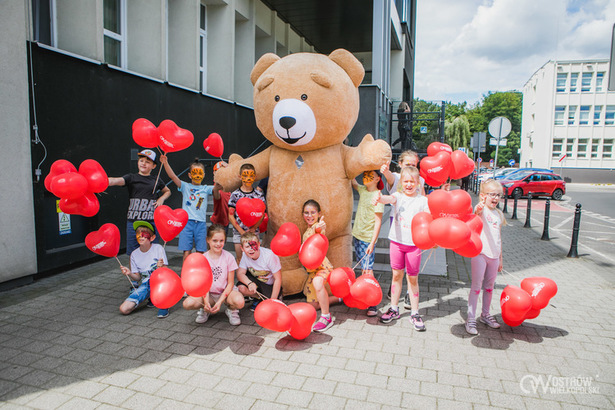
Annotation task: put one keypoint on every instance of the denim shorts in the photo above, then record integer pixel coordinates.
(194, 235)
(140, 294)
(360, 248)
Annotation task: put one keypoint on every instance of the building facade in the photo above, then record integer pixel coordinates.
(75, 75)
(569, 121)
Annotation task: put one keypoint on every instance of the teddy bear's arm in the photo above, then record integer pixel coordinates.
(369, 155)
(228, 176)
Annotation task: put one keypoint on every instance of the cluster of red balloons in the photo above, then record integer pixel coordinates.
(442, 163)
(358, 293)
(169, 222)
(76, 189)
(451, 224)
(287, 242)
(526, 302)
(168, 136)
(296, 319)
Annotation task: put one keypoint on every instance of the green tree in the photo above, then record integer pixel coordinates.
(457, 132)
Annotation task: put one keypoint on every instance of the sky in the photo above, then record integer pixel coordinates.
(466, 48)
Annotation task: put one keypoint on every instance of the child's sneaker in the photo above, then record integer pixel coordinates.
(254, 304)
(323, 324)
(417, 322)
(162, 313)
(372, 311)
(201, 316)
(407, 303)
(471, 327)
(233, 317)
(390, 315)
(489, 321)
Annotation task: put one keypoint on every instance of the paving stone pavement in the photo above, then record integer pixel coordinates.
(65, 345)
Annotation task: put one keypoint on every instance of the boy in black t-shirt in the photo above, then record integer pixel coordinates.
(143, 196)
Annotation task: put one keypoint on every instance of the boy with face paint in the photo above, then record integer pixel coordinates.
(246, 190)
(194, 201)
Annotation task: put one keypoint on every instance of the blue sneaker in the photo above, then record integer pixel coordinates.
(254, 304)
(162, 313)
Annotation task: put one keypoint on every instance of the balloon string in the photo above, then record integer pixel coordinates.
(129, 281)
(428, 257)
(157, 178)
(261, 295)
(364, 256)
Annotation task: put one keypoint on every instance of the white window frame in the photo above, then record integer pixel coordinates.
(121, 38)
(572, 113)
(607, 153)
(560, 114)
(584, 114)
(557, 142)
(574, 82)
(586, 81)
(582, 147)
(203, 50)
(560, 85)
(52, 23)
(609, 115)
(595, 147)
(597, 114)
(599, 82)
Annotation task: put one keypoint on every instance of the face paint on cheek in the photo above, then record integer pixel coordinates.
(254, 245)
(197, 174)
(367, 177)
(247, 177)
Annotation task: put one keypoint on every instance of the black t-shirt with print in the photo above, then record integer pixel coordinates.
(142, 196)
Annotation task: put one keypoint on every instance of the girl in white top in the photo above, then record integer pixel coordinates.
(488, 263)
(223, 267)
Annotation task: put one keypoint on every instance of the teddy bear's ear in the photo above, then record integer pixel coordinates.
(350, 64)
(261, 65)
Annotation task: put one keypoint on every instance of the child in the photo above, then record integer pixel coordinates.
(143, 193)
(259, 271)
(221, 198)
(223, 266)
(403, 253)
(488, 263)
(317, 290)
(367, 222)
(406, 159)
(194, 201)
(144, 261)
(248, 176)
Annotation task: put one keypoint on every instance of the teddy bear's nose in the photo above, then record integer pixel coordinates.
(287, 122)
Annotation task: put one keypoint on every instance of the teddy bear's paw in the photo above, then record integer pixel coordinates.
(234, 158)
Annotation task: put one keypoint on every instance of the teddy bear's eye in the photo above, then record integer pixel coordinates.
(277, 98)
(304, 97)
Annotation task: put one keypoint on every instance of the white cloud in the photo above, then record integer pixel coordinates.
(465, 49)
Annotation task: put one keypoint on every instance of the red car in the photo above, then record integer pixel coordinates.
(536, 183)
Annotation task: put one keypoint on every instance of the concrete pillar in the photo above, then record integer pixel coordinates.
(146, 37)
(381, 44)
(183, 43)
(79, 27)
(244, 50)
(220, 50)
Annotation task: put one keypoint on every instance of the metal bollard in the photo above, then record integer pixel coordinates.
(528, 212)
(575, 233)
(545, 225)
(514, 215)
(505, 210)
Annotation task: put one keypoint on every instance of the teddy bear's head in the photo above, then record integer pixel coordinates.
(306, 101)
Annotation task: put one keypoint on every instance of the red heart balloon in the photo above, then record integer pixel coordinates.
(250, 210)
(304, 316)
(214, 145)
(353, 303)
(436, 147)
(540, 289)
(287, 240)
(196, 275)
(532, 314)
(165, 288)
(59, 167)
(145, 133)
(169, 222)
(420, 230)
(273, 315)
(515, 304)
(86, 205)
(453, 204)
(474, 222)
(105, 241)
(472, 248)
(435, 169)
(173, 138)
(340, 280)
(449, 233)
(263, 226)
(95, 175)
(70, 185)
(313, 251)
(461, 165)
(366, 289)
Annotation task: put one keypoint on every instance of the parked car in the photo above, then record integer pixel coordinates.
(499, 173)
(537, 183)
(525, 170)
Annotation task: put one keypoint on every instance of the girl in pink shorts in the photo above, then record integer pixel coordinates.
(403, 254)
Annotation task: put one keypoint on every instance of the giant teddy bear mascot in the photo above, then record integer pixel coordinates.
(306, 104)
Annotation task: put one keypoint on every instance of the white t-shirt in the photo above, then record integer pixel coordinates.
(393, 188)
(219, 269)
(491, 233)
(403, 212)
(264, 267)
(144, 263)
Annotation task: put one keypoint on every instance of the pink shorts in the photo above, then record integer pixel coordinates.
(405, 256)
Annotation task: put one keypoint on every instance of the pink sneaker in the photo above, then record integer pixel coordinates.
(323, 324)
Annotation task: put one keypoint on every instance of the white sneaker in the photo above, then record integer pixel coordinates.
(201, 316)
(471, 327)
(233, 317)
(489, 321)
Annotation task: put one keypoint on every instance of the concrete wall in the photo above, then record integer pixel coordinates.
(17, 242)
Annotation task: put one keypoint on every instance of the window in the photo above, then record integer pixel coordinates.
(559, 114)
(574, 77)
(203, 49)
(609, 115)
(114, 32)
(599, 81)
(607, 148)
(557, 147)
(586, 82)
(572, 112)
(584, 115)
(569, 145)
(597, 111)
(545, 177)
(560, 87)
(582, 148)
(595, 145)
(43, 21)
